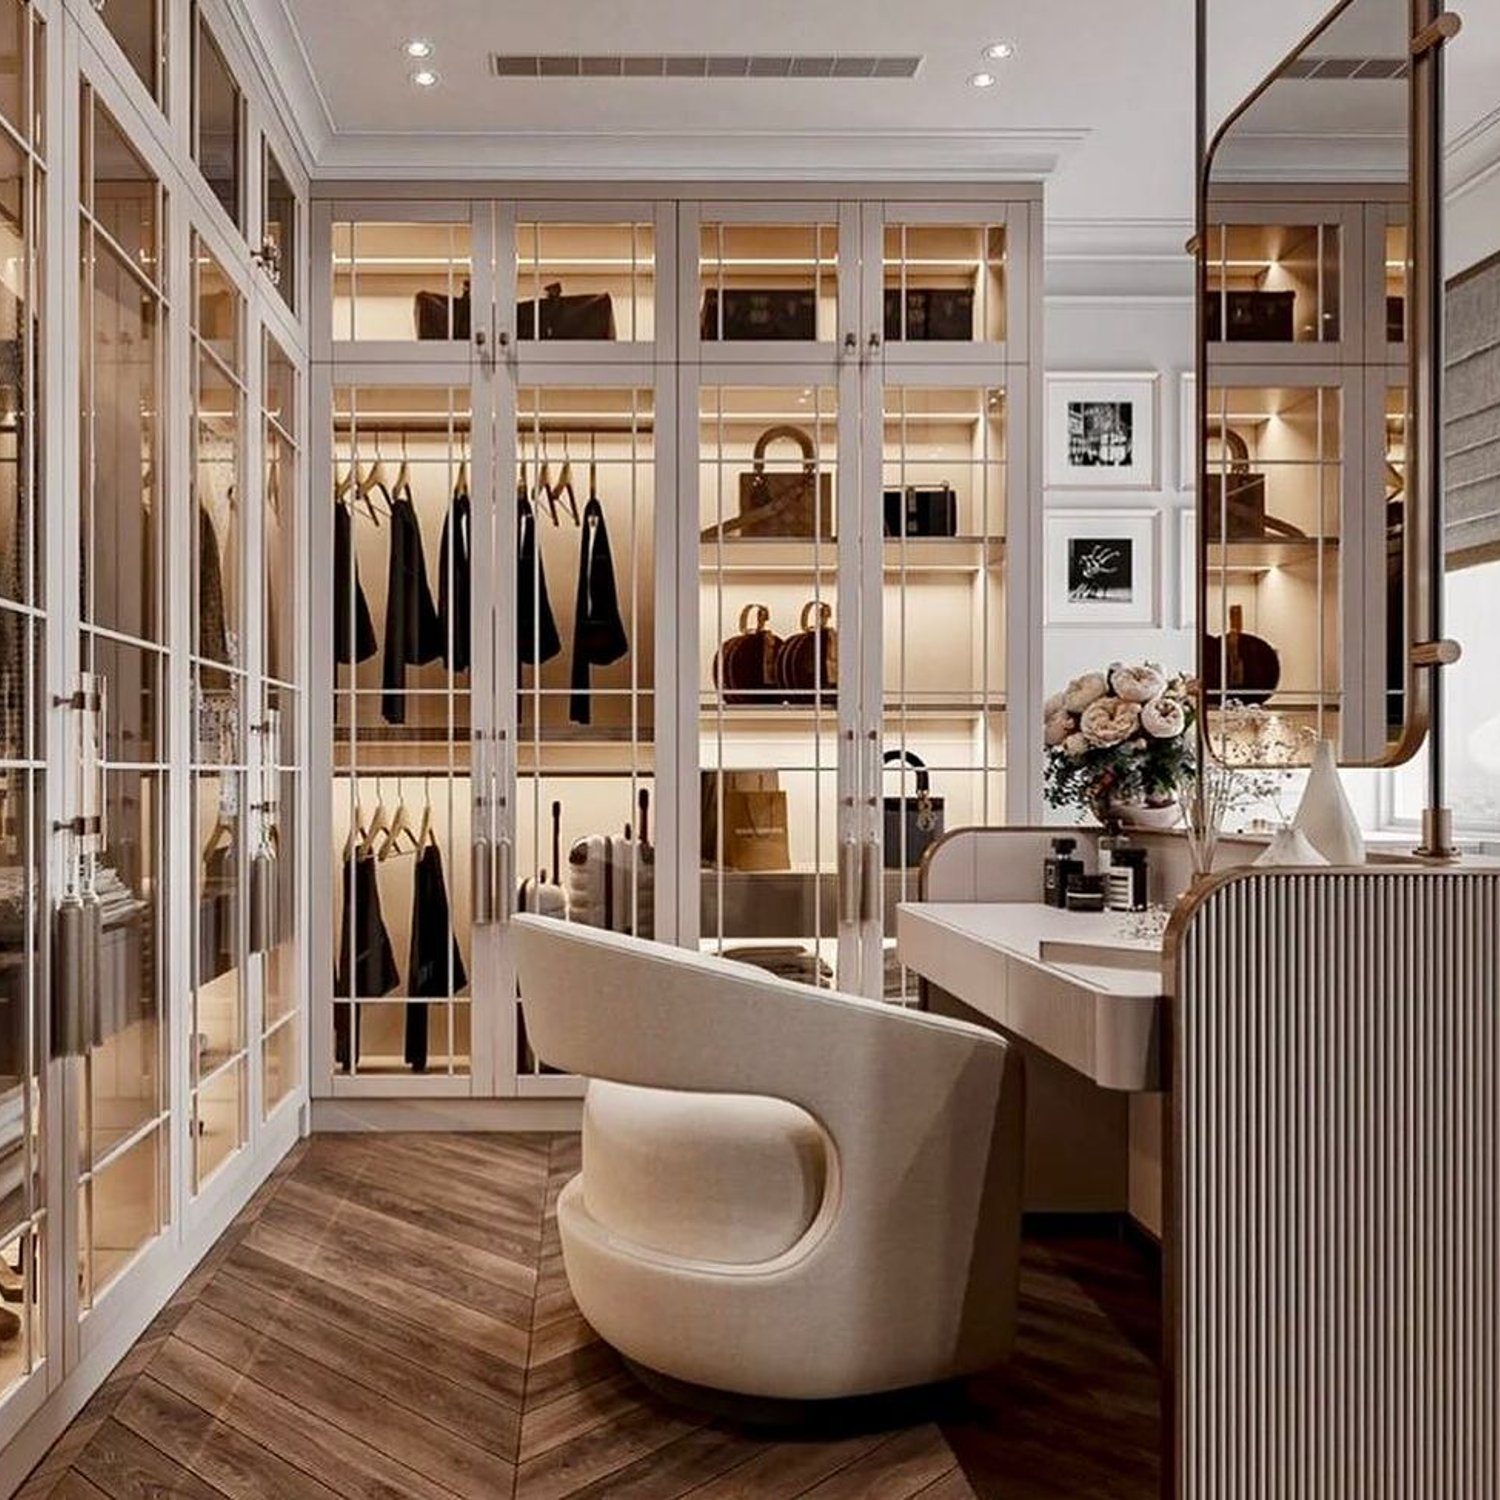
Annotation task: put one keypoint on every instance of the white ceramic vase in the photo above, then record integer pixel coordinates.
(1289, 846)
(1324, 816)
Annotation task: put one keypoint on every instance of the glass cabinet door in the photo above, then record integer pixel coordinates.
(778, 551)
(408, 631)
(122, 1150)
(938, 523)
(582, 538)
(29, 1217)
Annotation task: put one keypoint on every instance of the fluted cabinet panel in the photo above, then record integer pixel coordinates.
(1333, 1302)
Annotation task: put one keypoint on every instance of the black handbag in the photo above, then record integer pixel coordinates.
(443, 317)
(913, 824)
(933, 314)
(776, 314)
(1251, 317)
(921, 510)
(581, 315)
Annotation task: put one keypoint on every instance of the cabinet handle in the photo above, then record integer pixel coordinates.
(851, 341)
(874, 343)
(505, 877)
(263, 934)
(78, 930)
(482, 881)
(871, 904)
(849, 881)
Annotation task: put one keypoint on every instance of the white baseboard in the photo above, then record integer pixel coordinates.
(333, 1115)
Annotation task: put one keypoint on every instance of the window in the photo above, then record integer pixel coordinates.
(139, 26)
(1471, 736)
(217, 111)
(280, 218)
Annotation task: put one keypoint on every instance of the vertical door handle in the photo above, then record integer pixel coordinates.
(871, 885)
(69, 942)
(505, 877)
(263, 934)
(482, 881)
(849, 881)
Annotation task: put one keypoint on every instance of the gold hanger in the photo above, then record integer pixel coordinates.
(565, 483)
(400, 828)
(379, 822)
(403, 474)
(356, 839)
(426, 831)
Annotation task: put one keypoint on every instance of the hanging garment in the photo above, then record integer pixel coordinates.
(412, 633)
(218, 909)
(598, 631)
(213, 629)
(536, 630)
(364, 940)
(432, 943)
(346, 583)
(453, 583)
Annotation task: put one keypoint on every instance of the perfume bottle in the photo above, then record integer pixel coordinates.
(1058, 869)
(1125, 883)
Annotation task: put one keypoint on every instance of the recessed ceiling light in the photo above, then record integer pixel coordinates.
(419, 47)
(424, 78)
(999, 51)
(982, 80)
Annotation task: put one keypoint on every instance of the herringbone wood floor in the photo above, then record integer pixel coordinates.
(389, 1317)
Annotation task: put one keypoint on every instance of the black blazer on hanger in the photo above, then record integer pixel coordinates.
(412, 632)
(598, 631)
(346, 582)
(537, 639)
(454, 582)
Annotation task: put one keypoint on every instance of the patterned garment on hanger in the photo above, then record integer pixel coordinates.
(413, 635)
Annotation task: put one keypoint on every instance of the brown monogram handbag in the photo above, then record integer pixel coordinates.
(798, 503)
(745, 665)
(807, 668)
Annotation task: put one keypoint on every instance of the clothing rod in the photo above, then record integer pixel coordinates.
(459, 425)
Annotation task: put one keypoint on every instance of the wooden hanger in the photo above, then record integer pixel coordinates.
(426, 831)
(400, 828)
(403, 474)
(357, 835)
(221, 837)
(379, 823)
(565, 483)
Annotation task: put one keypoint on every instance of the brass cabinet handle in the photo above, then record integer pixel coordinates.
(482, 881)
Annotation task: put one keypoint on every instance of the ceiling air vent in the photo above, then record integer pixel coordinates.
(702, 65)
(1381, 69)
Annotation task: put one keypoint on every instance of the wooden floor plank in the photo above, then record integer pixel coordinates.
(364, 1414)
(282, 1427)
(390, 1319)
(212, 1450)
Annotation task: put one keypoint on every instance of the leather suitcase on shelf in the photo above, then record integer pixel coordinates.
(581, 315)
(1251, 317)
(433, 311)
(771, 314)
(921, 510)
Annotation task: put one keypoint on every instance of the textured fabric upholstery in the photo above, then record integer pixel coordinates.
(685, 1257)
(731, 1178)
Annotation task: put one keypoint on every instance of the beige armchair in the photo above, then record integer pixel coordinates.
(785, 1192)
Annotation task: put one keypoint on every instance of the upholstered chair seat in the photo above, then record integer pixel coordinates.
(786, 1192)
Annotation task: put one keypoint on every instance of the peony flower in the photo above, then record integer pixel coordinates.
(1137, 684)
(1164, 718)
(1075, 747)
(1108, 721)
(1059, 726)
(1084, 690)
(1054, 705)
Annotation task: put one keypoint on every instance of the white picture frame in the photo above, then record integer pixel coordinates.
(1187, 567)
(1187, 423)
(1102, 431)
(1103, 568)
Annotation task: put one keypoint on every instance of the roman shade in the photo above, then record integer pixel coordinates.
(1472, 424)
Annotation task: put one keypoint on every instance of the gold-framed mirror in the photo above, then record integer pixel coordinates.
(1318, 589)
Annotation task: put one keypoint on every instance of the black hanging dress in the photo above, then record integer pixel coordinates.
(598, 631)
(454, 583)
(363, 939)
(432, 942)
(346, 583)
(412, 632)
(537, 639)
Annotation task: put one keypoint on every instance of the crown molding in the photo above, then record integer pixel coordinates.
(1114, 260)
(272, 38)
(1474, 154)
(792, 156)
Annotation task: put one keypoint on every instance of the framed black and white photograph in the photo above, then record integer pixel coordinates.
(1103, 567)
(1101, 431)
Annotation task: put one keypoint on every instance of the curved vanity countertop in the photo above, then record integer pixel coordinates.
(1071, 983)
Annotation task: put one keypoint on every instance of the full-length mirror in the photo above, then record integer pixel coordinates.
(1312, 514)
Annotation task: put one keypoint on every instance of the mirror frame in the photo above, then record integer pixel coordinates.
(1429, 28)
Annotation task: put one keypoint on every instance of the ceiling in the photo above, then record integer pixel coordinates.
(1098, 98)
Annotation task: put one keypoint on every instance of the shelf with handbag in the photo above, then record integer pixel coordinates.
(402, 281)
(585, 281)
(944, 283)
(763, 282)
